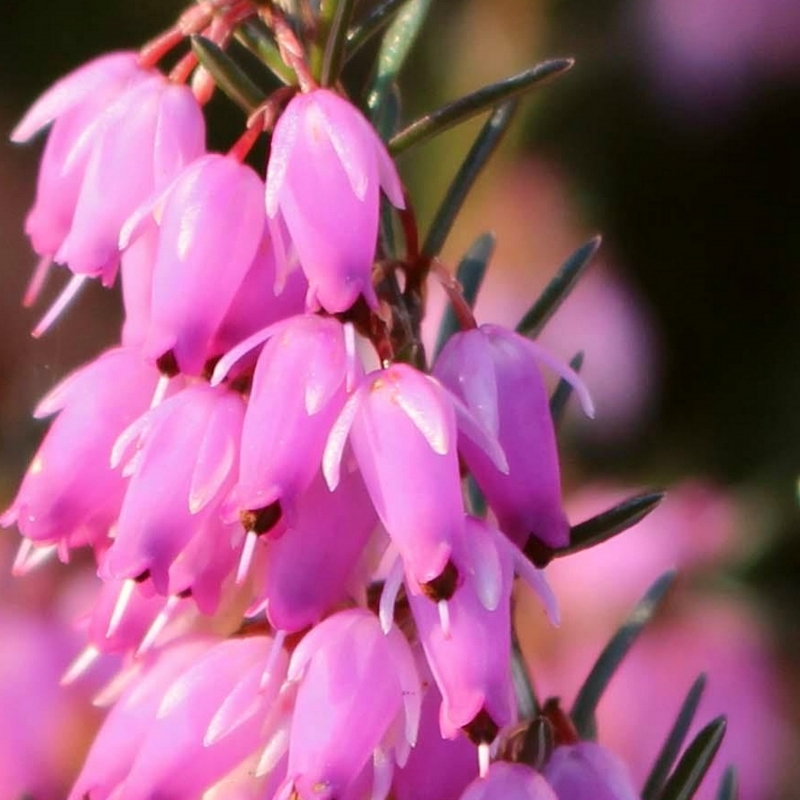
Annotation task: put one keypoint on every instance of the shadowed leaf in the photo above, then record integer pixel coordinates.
(728, 785)
(694, 763)
(380, 16)
(563, 392)
(228, 75)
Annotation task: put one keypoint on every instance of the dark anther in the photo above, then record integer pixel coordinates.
(261, 520)
(210, 366)
(537, 743)
(443, 587)
(186, 593)
(141, 578)
(168, 364)
(483, 729)
(564, 731)
(538, 552)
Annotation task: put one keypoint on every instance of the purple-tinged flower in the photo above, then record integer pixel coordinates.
(299, 387)
(308, 567)
(211, 226)
(70, 495)
(494, 371)
(358, 694)
(73, 104)
(587, 771)
(182, 465)
(326, 168)
(437, 768)
(467, 637)
(505, 781)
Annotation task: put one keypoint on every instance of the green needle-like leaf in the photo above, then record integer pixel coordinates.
(475, 498)
(671, 748)
(470, 274)
(527, 704)
(608, 524)
(470, 105)
(563, 391)
(340, 11)
(694, 763)
(257, 38)
(227, 74)
(395, 47)
(583, 710)
(728, 785)
(373, 23)
(558, 289)
(482, 148)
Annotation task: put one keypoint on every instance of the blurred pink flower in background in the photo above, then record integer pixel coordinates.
(704, 629)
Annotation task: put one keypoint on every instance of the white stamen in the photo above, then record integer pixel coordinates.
(29, 557)
(352, 356)
(124, 597)
(444, 618)
(274, 751)
(68, 294)
(483, 759)
(158, 625)
(161, 390)
(247, 557)
(37, 281)
(394, 580)
(272, 658)
(82, 662)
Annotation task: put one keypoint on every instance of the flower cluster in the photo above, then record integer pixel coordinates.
(270, 476)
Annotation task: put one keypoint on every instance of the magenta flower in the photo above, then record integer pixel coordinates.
(358, 693)
(70, 496)
(494, 371)
(505, 781)
(587, 771)
(299, 387)
(73, 105)
(183, 464)
(326, 168)
(211, 215)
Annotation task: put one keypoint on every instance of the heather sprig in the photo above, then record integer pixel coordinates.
(308, 533)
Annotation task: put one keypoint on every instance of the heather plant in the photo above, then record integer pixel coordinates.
(307, 529)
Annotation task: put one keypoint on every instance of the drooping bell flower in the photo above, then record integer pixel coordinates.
(506, 781)
(70, 496)
(301, 382)
(402, 427)
(326, 168)
(495, 372)
(358, 694)
(587, 771)
(182, 459)
(308, 567)
(211, 226)
(73, 105)
(176, 755)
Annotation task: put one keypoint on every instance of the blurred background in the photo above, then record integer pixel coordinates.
(675, 136)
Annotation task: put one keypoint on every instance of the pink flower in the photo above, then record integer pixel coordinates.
(73, 105)
(70, 495)
(326, 168)
(587, 771)
(182, 467)
(505, 781)
(358, 693)
(211, 215)
(494, 371)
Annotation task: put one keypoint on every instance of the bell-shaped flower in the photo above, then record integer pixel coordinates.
(70, 495)
(423, 776)
(130, 720)
(211, 227)
(308, 568)
(587, 771)
(402, 427)
(177, 758)
(326, 168)
(73, 105)
(495, 372)
(300, 385)
(182, 459)
(358, 695)
(506, 781)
